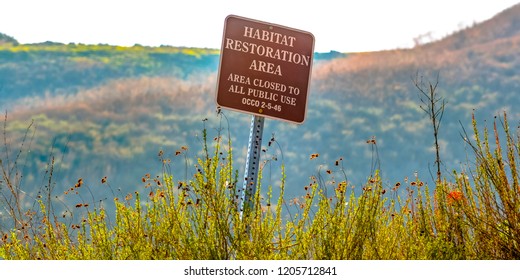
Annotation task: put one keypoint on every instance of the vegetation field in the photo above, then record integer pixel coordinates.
(475, 216)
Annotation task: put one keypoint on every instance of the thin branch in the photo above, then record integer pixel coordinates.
(430, 101)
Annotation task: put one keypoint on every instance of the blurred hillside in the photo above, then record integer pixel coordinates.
(102, 110)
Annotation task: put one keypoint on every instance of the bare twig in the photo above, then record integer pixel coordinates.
(435, 111)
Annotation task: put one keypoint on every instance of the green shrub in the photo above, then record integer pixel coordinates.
(477, 216)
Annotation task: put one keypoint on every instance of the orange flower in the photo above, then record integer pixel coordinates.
(454, 197)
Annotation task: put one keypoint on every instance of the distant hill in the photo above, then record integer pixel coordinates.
(33, 69)
(107, 110)
(484, 51)
(7, 40)
(505, 25)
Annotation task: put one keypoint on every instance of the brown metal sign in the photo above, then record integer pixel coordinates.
(265, 69)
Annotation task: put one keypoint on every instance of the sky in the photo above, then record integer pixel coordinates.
(344, 26)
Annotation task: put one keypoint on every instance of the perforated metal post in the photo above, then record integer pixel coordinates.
(252, 165)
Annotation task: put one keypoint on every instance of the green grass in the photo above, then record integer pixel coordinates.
(474, 214)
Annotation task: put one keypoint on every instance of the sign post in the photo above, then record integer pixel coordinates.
(252, 165)
(264, 70)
